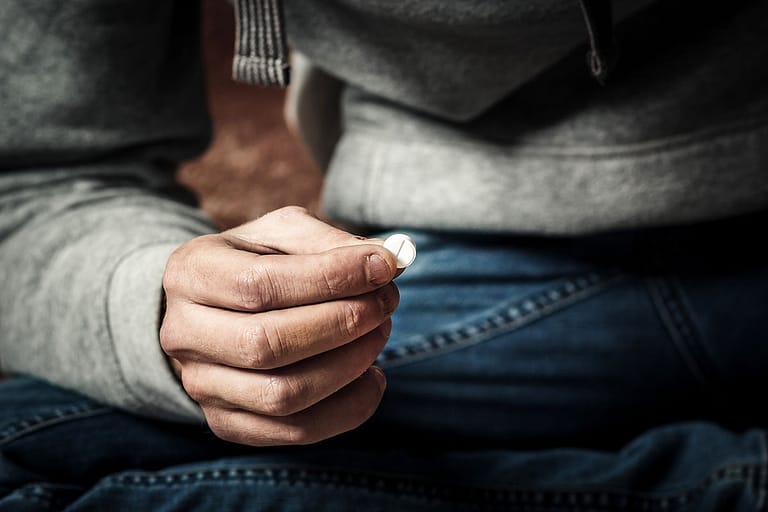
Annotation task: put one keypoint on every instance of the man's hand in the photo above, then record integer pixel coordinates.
(273, 327)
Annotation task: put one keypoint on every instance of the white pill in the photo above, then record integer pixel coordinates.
(403, 247)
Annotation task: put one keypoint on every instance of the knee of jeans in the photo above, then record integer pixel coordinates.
(34, 420)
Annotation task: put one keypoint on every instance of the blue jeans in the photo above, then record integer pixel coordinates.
(615, 372)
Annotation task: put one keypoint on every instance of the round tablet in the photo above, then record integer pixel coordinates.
(403, 247)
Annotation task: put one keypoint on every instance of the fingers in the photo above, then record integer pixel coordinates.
(208, 271)
(343, 411)
(273, 327)
(283, 391)
(274, 338)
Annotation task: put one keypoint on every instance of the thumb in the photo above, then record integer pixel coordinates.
(292, 230)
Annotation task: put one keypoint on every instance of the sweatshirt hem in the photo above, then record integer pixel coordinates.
(477, 185)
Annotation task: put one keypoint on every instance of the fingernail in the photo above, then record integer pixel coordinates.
(381, 379)
(379, 272)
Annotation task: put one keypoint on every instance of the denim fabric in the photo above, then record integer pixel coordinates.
(530, 341)
(617, 372)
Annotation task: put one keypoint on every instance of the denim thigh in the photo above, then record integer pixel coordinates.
(61, 451)
(524, 342)
(611, 373)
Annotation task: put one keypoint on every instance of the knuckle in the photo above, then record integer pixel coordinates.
(224, 434)
(182, 261)
(350, 319)
(257, 348)
(225, 425)
(281, 396)
(176, 338)
(169, 336)
(302, 434)
(193, 387)
(220, 423)
(254, 288)
(335, 281)
(172, 277)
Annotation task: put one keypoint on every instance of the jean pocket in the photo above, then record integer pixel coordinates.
(434, 338)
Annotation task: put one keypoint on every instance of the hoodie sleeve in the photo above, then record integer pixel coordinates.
(100, 101)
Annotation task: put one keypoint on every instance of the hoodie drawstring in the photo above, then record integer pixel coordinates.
(601, 58)
(261, 51)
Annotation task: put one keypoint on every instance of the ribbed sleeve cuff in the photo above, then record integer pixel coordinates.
(134, 304)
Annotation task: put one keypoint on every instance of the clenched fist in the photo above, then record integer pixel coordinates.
(273, 327)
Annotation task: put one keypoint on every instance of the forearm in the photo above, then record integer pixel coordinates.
(100, 101)
(83, 254)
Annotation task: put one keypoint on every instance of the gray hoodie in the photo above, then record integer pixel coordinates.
(483, 116)
(459, 115)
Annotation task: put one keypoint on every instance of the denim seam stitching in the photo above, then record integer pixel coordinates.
(28, 494)
(573, 497)
(513, 315)
(675, 318)
(63, 415)
(40, 492)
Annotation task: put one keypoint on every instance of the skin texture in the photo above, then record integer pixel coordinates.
(273, 327)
